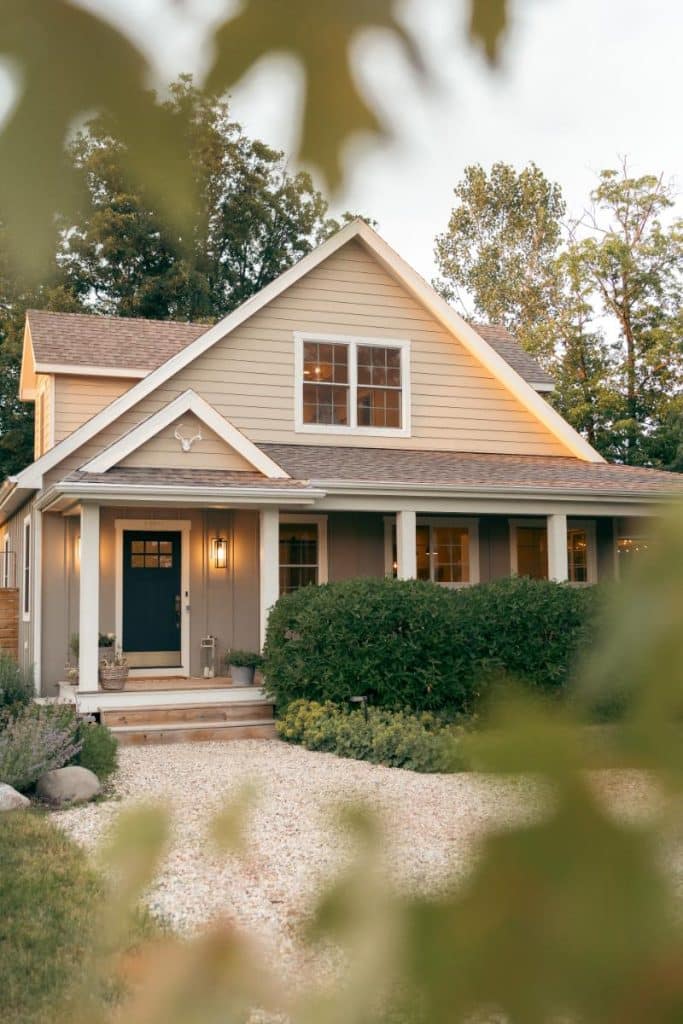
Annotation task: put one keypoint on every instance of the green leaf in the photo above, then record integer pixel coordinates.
(319, 34)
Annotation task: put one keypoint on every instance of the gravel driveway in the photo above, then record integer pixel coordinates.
(431, 823)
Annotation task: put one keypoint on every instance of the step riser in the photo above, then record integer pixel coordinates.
(206, 734)
(208, 713)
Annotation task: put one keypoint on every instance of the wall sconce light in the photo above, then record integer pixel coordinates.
(219, 551)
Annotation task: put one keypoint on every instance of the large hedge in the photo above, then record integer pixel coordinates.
(411, 644)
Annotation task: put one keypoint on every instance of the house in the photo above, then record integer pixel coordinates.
(345, 421)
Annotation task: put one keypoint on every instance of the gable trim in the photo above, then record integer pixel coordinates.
(77, 370)
(189, 401)
(394, 264)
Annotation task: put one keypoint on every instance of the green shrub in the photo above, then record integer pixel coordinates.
(394, 738)
(529, 630)
(35, 740)
(99, 749)
(243, 659)
(16, 684)
(409, 644)
(390, 639)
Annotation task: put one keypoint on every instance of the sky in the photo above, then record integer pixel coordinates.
(582, 84)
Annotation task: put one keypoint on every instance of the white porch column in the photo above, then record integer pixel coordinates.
(269, 565)
(406, 544)
(558, 565)
(89, 599)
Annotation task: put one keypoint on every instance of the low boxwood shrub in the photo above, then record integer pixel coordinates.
(99, 749)
(421, 743)
(390, 639)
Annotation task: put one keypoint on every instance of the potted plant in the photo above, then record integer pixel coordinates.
(242, 665)
(105, 646)
(113, 671)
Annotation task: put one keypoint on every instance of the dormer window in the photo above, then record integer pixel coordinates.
(352, 385)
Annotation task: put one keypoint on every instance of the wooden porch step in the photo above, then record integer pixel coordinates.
(152, 683)
(184, 732)
(166, 714)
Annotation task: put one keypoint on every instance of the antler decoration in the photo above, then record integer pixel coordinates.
(186, 442)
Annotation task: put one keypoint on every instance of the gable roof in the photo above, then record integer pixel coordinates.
(82, 341)
(480, 349)
(189, 401)
(512, 352)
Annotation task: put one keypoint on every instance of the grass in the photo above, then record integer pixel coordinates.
(49, 898)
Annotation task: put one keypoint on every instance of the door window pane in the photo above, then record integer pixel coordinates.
(451, 554)
(298, 555)
(532, 552)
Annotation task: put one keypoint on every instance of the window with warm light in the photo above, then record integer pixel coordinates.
(446, 551)
(351, 385)
(299, 556)
(577, 555)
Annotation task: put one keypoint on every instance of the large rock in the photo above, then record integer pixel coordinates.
(10, 800)
(68, 785)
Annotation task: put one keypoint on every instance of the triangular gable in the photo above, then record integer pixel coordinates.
(187, 403)
(494, 363)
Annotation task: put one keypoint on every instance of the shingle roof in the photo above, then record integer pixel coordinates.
(131, 343)
(83, 339)
(167, 477)
(468, 470)
(512, 352)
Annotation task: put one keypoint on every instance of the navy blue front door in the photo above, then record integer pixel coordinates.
(151, 591)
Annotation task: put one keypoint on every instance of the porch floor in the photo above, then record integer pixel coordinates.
(176, 683)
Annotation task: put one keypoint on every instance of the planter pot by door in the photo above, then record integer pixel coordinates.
(242, 674)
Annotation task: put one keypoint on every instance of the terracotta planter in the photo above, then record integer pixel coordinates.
(113, 677)
(242, 675)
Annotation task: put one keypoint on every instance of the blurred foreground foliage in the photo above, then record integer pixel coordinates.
(571, 916)
(66, 63)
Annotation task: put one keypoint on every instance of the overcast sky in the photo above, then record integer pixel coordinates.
(582, 82)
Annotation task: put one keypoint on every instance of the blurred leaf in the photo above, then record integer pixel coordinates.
(488, 22)
(69, 64)
(319, 33)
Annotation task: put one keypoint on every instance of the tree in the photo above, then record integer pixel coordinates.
(499, 250)
(633, 263)
(251, 220)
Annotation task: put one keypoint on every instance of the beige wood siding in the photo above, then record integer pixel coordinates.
(78, 399)
(43, 414)
(208, 452)
(457, 405)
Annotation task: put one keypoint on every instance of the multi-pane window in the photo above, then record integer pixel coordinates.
(351, 385)
(151, 554)
(299, 555)
(326, 383)
(577, 555)
(443, 552)
(378, 393)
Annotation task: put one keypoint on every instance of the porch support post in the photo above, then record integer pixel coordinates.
(558, 564)
(269, 565)
(406, 544)
(89, 600)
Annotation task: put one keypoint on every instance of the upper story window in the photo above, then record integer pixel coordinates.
(352, 385)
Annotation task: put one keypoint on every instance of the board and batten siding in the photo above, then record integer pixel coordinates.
(457, 405)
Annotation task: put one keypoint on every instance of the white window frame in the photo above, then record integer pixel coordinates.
(26, 574)
(352, 341)
(320, 522)
(468, 523)
(588, 526)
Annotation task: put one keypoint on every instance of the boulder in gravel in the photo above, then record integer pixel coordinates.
(68, 785)
(10, 800)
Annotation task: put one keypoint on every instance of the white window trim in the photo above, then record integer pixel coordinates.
(352, 430)
(182, 526)
(26, 573)
(321, 523)
(588, 525)
(468, 523)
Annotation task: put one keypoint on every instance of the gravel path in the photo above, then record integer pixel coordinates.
(431, 824)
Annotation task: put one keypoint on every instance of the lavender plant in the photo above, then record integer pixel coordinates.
(34, 741)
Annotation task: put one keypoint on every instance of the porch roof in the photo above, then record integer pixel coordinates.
(323, 465)
(221, 479)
